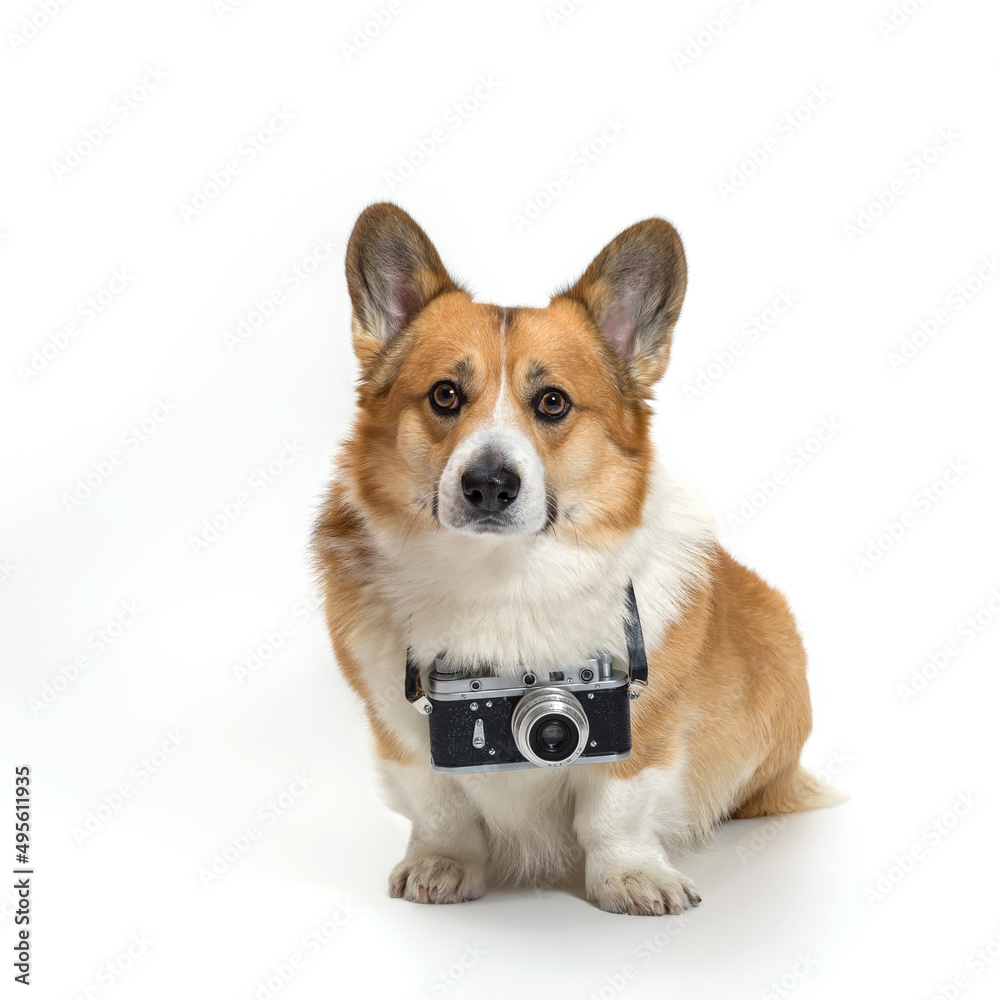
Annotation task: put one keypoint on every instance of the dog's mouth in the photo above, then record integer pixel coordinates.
(491, 525)
(485, 524)
(494, 523)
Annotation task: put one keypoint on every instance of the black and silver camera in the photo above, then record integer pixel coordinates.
(577, 714)
(545, 718)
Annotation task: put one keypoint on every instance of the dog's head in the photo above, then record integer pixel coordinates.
(507, 421)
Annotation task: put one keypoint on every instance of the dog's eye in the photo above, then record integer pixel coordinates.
(445, 397)
(552, 404)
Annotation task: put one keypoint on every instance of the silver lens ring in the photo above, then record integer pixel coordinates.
(534, 707)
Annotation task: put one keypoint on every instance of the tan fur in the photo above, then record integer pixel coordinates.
(732, 674)
(341, 562)
(728, 703)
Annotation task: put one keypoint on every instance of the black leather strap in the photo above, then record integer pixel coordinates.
(638, 669)
(414, 687)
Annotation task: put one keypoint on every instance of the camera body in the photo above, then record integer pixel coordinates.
(551, 717)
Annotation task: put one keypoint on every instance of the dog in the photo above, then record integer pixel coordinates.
(496, 497)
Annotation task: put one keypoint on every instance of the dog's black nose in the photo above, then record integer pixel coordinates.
(490, 487)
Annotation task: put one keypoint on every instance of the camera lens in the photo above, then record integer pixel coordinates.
(553, 735)
(550, 727)
(554, 739)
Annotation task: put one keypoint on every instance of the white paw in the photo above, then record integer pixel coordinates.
(650, 892)
(436, 879)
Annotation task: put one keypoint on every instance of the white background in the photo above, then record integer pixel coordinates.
(818, 906)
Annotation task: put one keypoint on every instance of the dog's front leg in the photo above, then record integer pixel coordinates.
(618, 822)
(445, 861)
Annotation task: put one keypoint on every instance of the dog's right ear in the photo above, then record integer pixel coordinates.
(393, 271)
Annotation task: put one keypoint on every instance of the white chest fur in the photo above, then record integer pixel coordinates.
(528, 602)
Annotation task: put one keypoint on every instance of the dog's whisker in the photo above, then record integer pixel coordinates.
(579, 562)
(413, 521)
(418, 504)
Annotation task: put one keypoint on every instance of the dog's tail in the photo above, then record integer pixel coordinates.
(793, 790)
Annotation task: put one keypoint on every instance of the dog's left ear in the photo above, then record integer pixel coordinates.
(633, 291)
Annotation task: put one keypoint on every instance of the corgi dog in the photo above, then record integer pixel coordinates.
(498, 493)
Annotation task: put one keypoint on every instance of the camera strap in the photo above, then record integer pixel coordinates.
(638, 668)
(415, 688)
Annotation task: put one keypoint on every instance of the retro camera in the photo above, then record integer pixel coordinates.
(546, 718)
